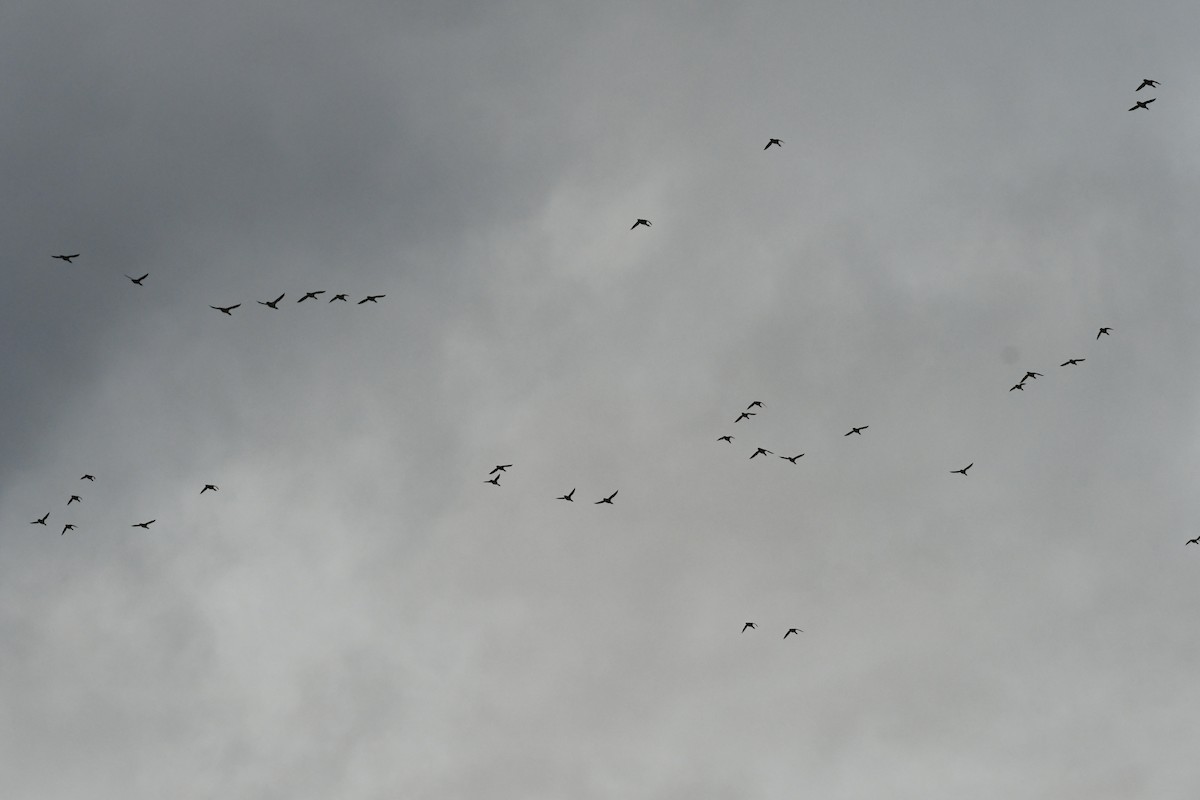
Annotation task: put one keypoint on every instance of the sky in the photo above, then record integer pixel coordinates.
(961, 196)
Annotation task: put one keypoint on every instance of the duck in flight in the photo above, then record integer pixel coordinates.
(1147, 82)
(755, 404)
(762, 452)
(962, 471)
(74, 499)
(792, 458)
(744, 415)
(608, 499)
(499, 468)
(145, 525)
(227, 310)
(1031, 376)
(310, 296)
(1143, 104)
(494, 481)
(1020, 386)
(725, 439)
(341, 297)
(569, 496)
(790, 631)
(371, 298)
(271, 303)
(1103, 332)
(67, 528)
(1189, 541)
(857, 430)
(645, 222)
(776, 142)
(66, 258)
(42, 520)
(748, 625)
(88, 478)
(138, 281)
(208, 487)
(1072, 361)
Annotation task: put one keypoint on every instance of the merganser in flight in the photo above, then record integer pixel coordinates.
(1147, 82)
(790, 631)
(857, 430)
(66, 258)
(748, 625)
(228, 310)
(145, 525)
(608, 499)
(271, 303)
(568, 496)
(776, 142)
(1072, 361)
(41, 521)
(962, 471)
(1143, 104)
(310, 296)
(208, 487)
(138, 281)
(645, 222)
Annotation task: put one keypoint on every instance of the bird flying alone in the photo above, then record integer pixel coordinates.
(66, 258)
(1147, 82)
(569, 496)
(271, 303)
(88, 478)
(1104, 332)
(227, 310)
(41, 520)
(725, 439)
(138, 281)
(790, 631)
(1072, 361)
(748, 625)
(208, 487)
(608, 499)
(1143, 104)
(145, 524)
(645, 222)
(962, 471)
(858, 430)
(776, 142)
(371, 298)
(1189, 541)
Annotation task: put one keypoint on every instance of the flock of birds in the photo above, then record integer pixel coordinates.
(70, 526)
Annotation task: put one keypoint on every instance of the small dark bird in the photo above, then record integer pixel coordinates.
(748, 625)
(762, 452)
(645, 222)
(499, 468)
(1189, 541)
(67, 528)
(1072, 361)
(1031, 376)
(74, 499)
(857, 430)
(138, 281)
(1143, 104)
(725, 439)
(568, 496)
(962, 471)
(1104, 332)
(66, 258)
(41, 521)
(341, 297)
(776, 142)
(271, 303)
(145, 525)
(371, 298)
(310, 296)
(755, 404)
(208, 487)
(792, 458)
(606, 500)
(228, 310)
(1020, 386)
(494, 481)
(744, 415)
(790, 631)
(88, 478)
(1147, 82)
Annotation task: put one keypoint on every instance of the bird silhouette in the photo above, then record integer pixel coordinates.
(792, 458)
(962, 471)
(74, 499)
(66, 258)
(145, 524)
(494, 481)
(227, 310)
(208, 487)
(1147, 82)
(776, 142)
(88, 478)
(1104, 332)
(725, 439)
(608, 499)
(138, 281)
(41, 520)
(790, 631)
(1143, 104)
(310, 296)
(271, 303)
(67, 528)
(744, 415)
(755, 404)
(1072, 361)
(857, 430)
(341, 297)
(762, 452)
(1189, 541)
(1031, 376)
(748, 625)
(499, 468)
(569, 496)
(645, 222)
(1020, 386)
(371, 298)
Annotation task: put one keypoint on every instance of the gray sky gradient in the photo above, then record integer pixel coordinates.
(962, 196)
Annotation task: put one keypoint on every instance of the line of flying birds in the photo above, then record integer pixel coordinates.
(208, 487)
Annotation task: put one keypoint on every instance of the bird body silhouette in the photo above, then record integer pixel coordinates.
(145, 524)
(962, 471)
(272, 303)
(569, 496)
(208, 487)
(494, 481)
(645, 222)
(1072, 361)
(1031, 376)
(755, 404)
(725, 439)
(75, 499)
(776, 142)
(310, 296)
(41, 520)
(88, 478)
(227, 310)
(608, 499)
(858, 430)
(341, 297)
(66, 258)
(744, 415)
(499, 468)
(1020, 386)
(792, 458)
(67, 528)
(138, 281)
(790, 631)
(1189, 541)
(1104, 332)
(748, 625)
(1143, 104)
(371, 298)
(762, 452)
(1147, 82)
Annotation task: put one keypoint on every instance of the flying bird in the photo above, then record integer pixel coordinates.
(67, 528)
(341, 297)
(776, 142)
(271, 303)
(1072, 361)
(857, 430)
(208, 487)
(1147, 82)
(645, 222)
(790, 631)
(310, 296)
(962, 471)
(66, 258)
(1031, 375)
(138, 281)
(748, 625)
(762, 452)
(756, 403)
(1189, 541)
(74, 499)
(228, 310)
(608, 499)
(725, 439)
(1143, 104)
(744, 415)
(1020, 385)
(88, 478)
(371, 298)
(568, 496)
(145, 525)
(42, 520)
(1104, 332)
(494, 481)
(792, 458)
(499, 468)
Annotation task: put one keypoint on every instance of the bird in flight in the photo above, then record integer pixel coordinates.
(762, 452)
(748, 625)
(499, 468)
(310, 296)
(74, 499)
(725, 439)
(1147, 82)
(645, 222)
(1143, 104)
(1189, 541)
(371, 298)
(857, 430)
(88, 478)
(1104, 332)
(962, 471)
(755, 404)
(776, 142)
(341, 297)
(138, 281)
(1072, 361)
(494, 481)
(145, 525)
(568, 496)
(271, 303)
(208, 487)
(790, 631)
(1020, 386)
(67, 528)
(792, 458)
(744, 415)
(66, 258)
(607, 499)
(42, 520)
(228, 310)
(1031, 376)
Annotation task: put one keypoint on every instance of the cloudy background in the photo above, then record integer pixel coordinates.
(962, 196)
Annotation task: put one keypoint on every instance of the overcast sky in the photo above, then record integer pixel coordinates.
(961, 196)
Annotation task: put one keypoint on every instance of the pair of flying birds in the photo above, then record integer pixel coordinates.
(790, 631)
(1145, 103)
